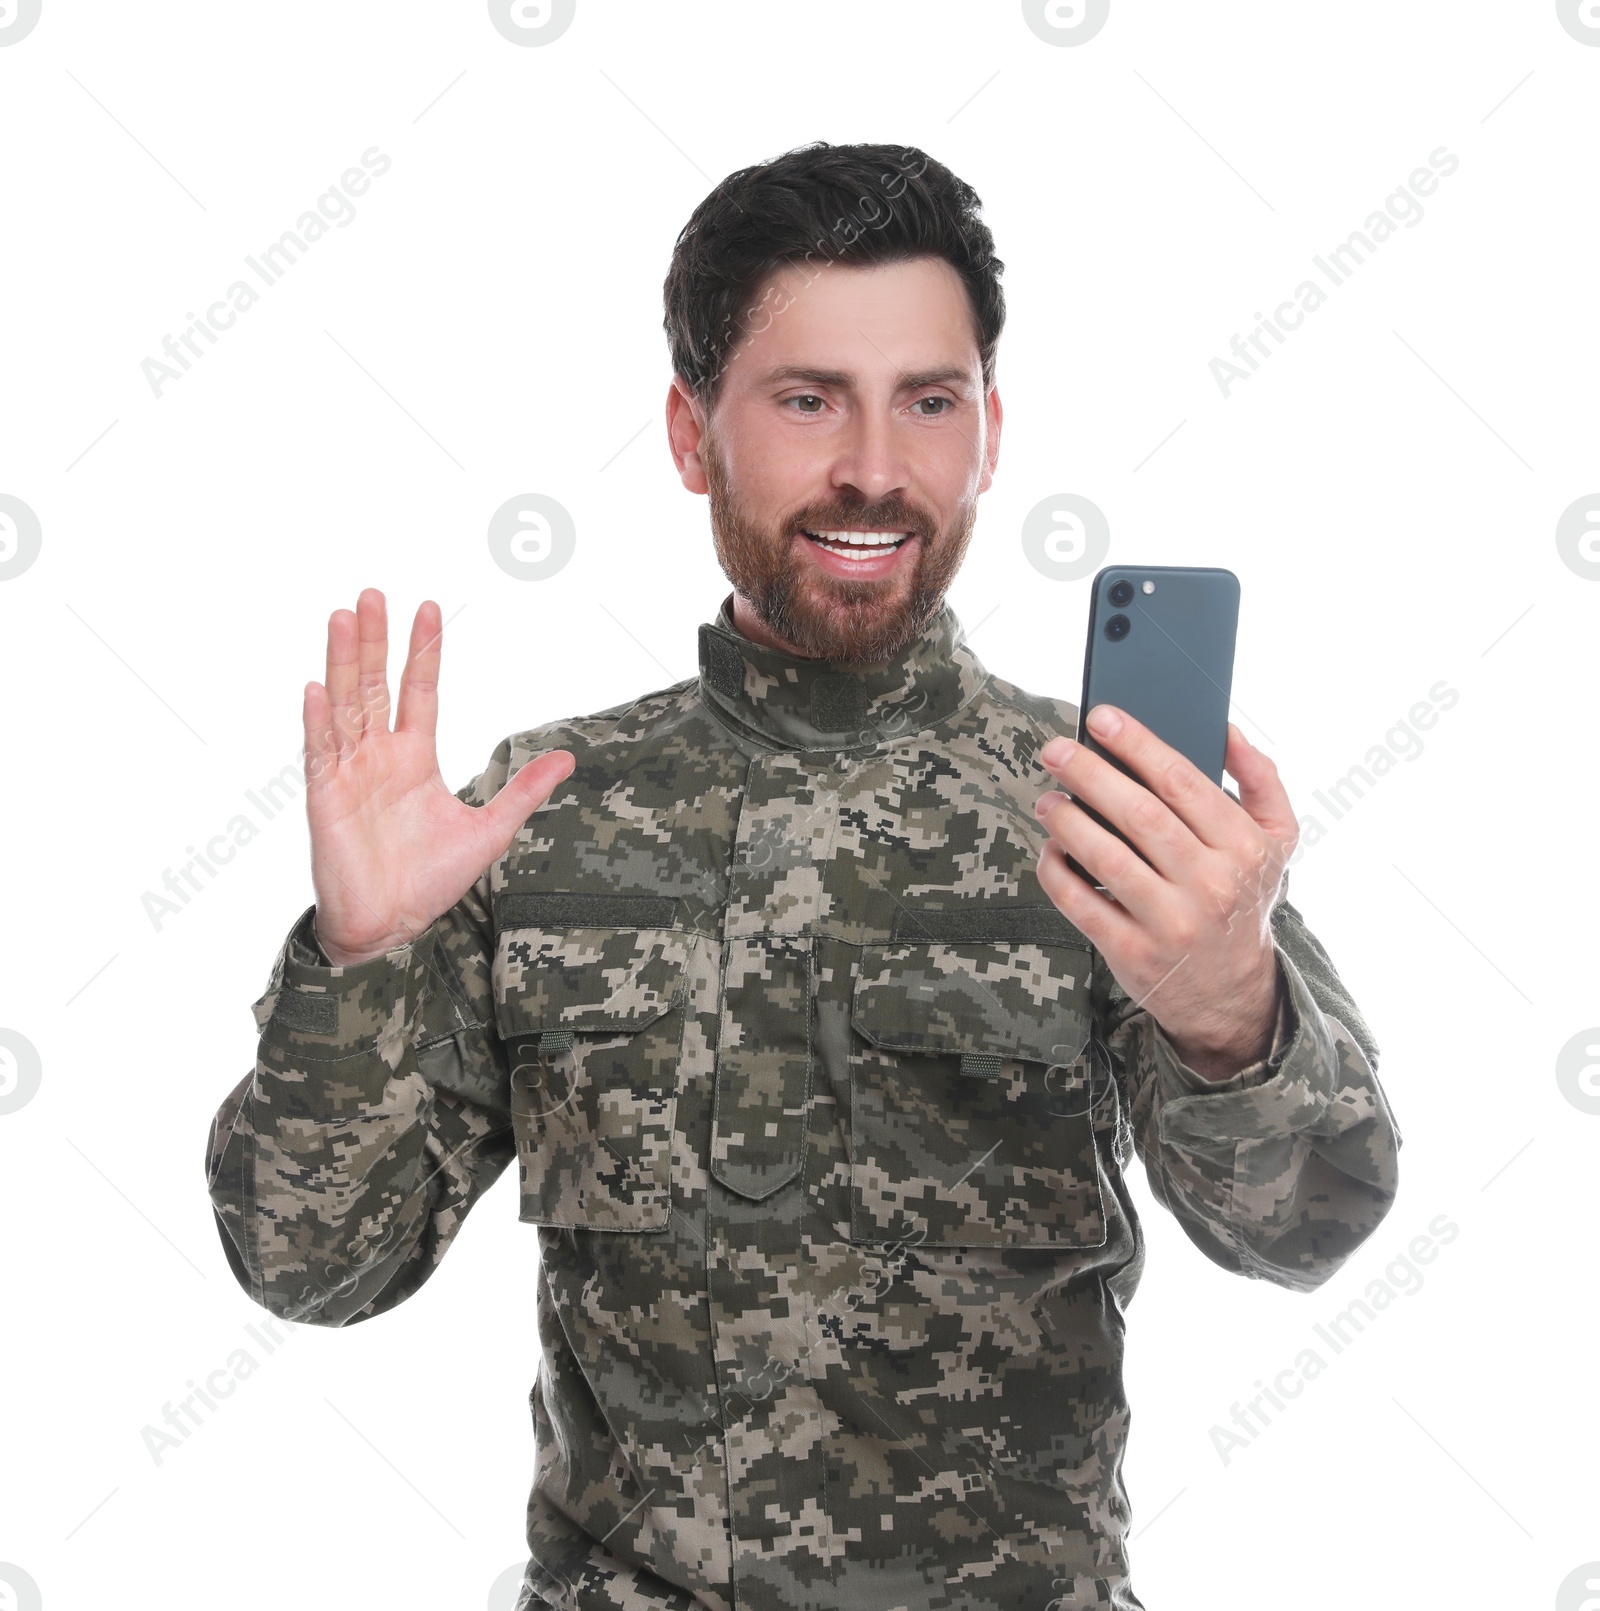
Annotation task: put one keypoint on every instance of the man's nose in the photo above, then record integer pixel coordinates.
(872, 459)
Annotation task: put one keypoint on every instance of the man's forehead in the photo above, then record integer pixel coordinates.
(850, 323)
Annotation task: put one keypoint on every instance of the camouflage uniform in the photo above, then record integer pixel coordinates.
(822, 1110)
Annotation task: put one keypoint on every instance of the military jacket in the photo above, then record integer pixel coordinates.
(821, 1109)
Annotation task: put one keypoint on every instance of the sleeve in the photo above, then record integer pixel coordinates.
(378, 1112)
(1281, 1171)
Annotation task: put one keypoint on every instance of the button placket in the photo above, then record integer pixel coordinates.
(763, 1090)
(757, 1268)
(763, 1064)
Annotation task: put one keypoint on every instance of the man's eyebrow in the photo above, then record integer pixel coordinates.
(843, 379)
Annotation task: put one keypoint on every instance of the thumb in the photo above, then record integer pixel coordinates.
(524, 792)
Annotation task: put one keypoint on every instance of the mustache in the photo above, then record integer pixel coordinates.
(891, 515)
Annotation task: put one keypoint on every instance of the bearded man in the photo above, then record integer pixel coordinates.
(819, 1066)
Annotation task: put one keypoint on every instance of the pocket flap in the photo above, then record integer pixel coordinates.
(976, 999)
(592, 980)
(969, 1124)
(594, 1088)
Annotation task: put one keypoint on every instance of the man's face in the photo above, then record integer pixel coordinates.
(858, 407)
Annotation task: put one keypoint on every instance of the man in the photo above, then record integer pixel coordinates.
(819, 1066)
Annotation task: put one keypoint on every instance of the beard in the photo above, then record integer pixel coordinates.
(833, 618)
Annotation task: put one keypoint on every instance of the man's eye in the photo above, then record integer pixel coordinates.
(944, 407)
(809, 397)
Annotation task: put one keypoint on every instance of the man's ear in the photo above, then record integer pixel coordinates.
(686, 426)
(991, 447)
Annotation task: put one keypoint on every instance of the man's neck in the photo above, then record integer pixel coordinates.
(754, 628)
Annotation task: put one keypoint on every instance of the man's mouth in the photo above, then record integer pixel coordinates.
(858, 544)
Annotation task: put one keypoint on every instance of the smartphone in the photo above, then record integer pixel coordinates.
(1160, 646)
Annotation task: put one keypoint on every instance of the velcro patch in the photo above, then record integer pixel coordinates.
(724, 663)
(838, 702)
(310, 1014)
(556, 909)
(986, 921)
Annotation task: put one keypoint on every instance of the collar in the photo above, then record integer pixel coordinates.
(791, 702)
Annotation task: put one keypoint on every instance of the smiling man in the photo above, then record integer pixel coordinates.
(819, 1068)
(843, 496)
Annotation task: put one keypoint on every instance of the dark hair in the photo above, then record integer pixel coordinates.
(820, 203)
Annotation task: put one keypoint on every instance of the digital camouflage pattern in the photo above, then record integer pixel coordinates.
(823, 1112)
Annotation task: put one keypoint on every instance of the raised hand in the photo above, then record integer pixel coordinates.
(392, 848)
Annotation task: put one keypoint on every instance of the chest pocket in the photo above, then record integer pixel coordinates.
(970, 1079)
(593, 1020)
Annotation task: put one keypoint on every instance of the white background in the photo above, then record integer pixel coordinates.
(1387, 488)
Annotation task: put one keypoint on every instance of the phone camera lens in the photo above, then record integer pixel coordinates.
(1117, 628)
(1121, 594)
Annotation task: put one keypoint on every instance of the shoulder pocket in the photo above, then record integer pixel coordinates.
(593, 1025)
(969, 1123)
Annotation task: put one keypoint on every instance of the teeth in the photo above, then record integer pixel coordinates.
(863, 539)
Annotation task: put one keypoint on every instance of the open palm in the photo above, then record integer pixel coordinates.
(392, 848)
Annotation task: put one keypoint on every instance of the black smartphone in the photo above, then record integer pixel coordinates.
(1160, 646)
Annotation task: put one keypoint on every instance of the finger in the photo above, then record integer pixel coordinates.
(524, 792)
(1112, 932)
(1261, 791)
(372, 623)
(1147, 820)
(1136, 886)
(322, 748)
(419, 682)
(1170, 775)
(340, 681)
